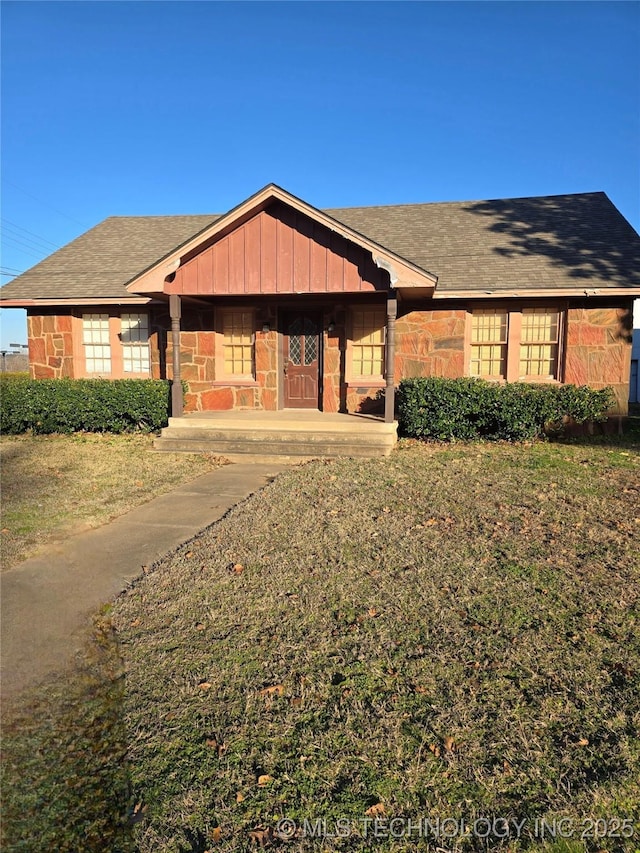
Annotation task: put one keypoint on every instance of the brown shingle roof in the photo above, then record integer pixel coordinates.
(555, 242)
(576, 241)
(100, 262)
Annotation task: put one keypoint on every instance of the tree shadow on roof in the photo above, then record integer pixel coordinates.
(583, 234)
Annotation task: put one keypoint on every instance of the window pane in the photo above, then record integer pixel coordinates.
(237, 330)
(489, 328)
(539, 324)
(135, 328)
(539, 343)
(295, 341)
(368, 342)
(489, 360)
(310, 341)
(95, 337)
(134, 334)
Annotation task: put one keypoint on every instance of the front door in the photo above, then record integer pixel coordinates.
(301, 360)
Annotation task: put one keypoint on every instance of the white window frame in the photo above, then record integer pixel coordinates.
(134, 337)
(96, 342)
(484, 346)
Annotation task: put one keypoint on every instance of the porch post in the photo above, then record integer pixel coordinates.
(177, 401)
(390, 352)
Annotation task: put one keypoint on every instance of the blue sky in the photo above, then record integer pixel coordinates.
(161, 107)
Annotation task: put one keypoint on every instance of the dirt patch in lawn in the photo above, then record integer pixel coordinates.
(55, 485)
(443, 634)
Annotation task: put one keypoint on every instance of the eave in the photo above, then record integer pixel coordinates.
(75, 302)
(548, 293)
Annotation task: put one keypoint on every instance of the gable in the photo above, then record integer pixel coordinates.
(297, 215)
(279, 250)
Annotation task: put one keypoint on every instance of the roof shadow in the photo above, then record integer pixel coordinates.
(584, 234)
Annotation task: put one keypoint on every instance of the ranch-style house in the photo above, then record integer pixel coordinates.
(277, 305)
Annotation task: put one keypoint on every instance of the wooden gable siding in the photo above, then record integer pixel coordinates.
(279, 251)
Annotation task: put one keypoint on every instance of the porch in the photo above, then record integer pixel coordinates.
(296, 434)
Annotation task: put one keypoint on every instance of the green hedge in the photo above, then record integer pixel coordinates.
(83, 405)
(448, 409)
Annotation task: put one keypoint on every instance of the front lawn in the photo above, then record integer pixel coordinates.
(449, 633)
(54, 485)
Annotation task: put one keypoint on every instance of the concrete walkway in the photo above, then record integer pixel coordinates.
(48, 600)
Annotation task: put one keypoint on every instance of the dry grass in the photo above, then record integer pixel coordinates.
(65, 782)
(56, 485)
(443, 633)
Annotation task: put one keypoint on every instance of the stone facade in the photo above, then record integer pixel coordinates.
(598, 349)
(430, 343)
(340, 394)
(597, 352)
(333, 389)
(50, 339)
(207, 390)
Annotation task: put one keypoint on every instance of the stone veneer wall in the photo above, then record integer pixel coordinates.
(430, 343)
(206, 391)
(365, 400)
(598, 349)
(339, 395)
(50, 345)
(332, 390)
(335, 389)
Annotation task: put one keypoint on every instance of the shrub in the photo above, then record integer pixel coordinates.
(89, 405)
(448, 409)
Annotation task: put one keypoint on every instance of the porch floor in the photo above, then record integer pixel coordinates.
(294, 433)
(301, 419)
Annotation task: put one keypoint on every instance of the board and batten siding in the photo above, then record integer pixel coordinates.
(279, 251)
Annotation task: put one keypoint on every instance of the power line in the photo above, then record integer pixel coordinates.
(25, 247)
(46, 203)
(27, 253)
(26, 241)
(13, 269)
(13, 226)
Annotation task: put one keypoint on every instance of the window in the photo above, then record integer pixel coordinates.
(518, 344)
(134, 334)
(115, 345)
(367, 353)
(97, 346)
(489, 343)
(539, 341)
(237, 333)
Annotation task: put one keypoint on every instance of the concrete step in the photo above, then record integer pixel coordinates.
(277, 435)
(351, 425)
(303, 446)
(284, 434)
